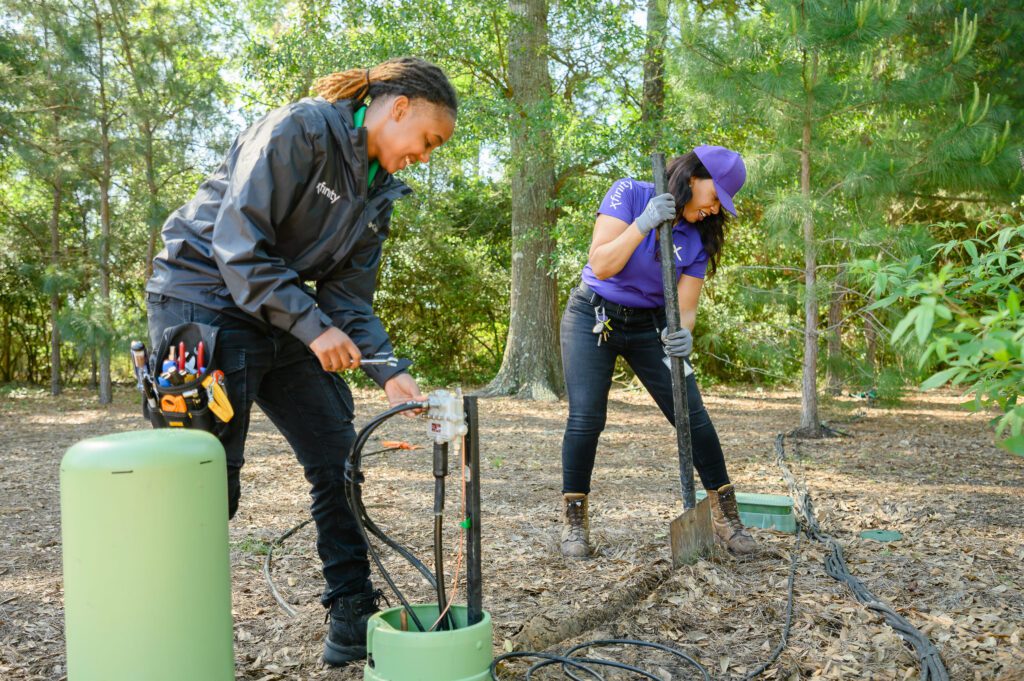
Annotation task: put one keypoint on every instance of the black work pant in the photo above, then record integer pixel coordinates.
(588, 371)
(312, 408)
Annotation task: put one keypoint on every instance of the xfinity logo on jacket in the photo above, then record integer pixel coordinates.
(323, 190)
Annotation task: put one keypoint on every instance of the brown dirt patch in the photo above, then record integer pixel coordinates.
(925, 469)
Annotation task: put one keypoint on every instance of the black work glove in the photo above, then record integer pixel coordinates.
(678, 343)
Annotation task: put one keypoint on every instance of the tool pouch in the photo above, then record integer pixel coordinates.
(190, 403)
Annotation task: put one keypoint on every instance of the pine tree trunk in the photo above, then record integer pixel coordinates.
(871, 341)
(833, 381)
(155, 210)
(531, 367)
(653, 106)
(810, 426)
(105, 387)
(58, 185)
(5, 361)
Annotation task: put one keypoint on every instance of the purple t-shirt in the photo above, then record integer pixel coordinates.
(639, 283)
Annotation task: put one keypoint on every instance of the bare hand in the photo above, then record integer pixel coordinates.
(335, 350)
(402, 388)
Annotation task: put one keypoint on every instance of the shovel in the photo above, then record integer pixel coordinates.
(691, 533)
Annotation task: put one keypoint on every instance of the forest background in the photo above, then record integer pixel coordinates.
(880, 242)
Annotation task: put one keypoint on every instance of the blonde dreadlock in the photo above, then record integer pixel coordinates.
(409, 76)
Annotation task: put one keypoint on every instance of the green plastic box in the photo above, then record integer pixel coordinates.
(765, 511)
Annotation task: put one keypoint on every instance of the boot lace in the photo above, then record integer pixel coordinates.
(574, 512)
(378, 596)
(732, 515)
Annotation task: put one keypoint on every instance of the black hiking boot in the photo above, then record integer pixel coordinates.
(346, 638)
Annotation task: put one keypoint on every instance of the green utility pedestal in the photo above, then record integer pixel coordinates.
(765, 511)
(147, 584)
(462, 654)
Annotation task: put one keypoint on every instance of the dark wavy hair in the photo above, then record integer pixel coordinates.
(712, 228)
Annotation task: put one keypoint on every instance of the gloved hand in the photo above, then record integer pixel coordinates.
(678, 344)
(659, 209)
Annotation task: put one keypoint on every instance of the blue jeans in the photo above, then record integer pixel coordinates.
(312, 408)
(588, 378)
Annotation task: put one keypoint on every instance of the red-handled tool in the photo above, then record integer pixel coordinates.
(181, 356)
(200, 352)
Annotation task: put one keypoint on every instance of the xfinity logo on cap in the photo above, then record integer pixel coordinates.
(323, 190)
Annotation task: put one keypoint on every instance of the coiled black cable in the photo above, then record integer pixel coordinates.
(366, 526)
(567, 660)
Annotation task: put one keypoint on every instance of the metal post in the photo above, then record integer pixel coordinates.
(440, 471)
(474, 567)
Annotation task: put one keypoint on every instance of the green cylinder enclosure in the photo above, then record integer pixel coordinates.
(147, 583)
(462, 654)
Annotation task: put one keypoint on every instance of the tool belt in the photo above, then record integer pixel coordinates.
(180, 383)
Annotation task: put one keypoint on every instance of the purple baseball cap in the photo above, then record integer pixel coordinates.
(728, 172)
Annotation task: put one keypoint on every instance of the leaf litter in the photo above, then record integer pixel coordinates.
(925, 469)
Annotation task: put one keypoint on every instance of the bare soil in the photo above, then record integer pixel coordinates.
(926, 469)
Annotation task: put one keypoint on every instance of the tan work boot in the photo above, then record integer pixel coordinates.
(575, 526)
(725, 518)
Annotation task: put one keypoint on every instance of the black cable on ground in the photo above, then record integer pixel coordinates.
(932, 667)
(784, 639)
(567, 660)
(646, 644)
(266, 566)
(280, 541)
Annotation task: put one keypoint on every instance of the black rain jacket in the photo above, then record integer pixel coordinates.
(288, 205)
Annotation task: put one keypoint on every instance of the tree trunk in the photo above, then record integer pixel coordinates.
(810, 426)
(653, 107)
(833, 382)
(871, 342)
(531, 367)
(105, 387)
(155, 213)
(55, 295)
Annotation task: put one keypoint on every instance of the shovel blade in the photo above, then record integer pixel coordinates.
(692, 535)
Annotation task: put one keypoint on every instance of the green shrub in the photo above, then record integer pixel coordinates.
(964, 311)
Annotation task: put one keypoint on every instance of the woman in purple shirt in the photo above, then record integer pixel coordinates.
(619, 310)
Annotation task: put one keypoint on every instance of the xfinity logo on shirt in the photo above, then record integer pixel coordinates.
(323, 190)
(616, 197)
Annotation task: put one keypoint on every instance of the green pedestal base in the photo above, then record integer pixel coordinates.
(463, 654)
(765, 511)
(147, 577)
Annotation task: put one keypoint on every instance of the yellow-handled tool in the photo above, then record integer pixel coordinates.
(217, 396)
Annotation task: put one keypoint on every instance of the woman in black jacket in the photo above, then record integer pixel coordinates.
(305, 196)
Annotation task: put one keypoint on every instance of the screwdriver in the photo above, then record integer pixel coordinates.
(387, 361)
